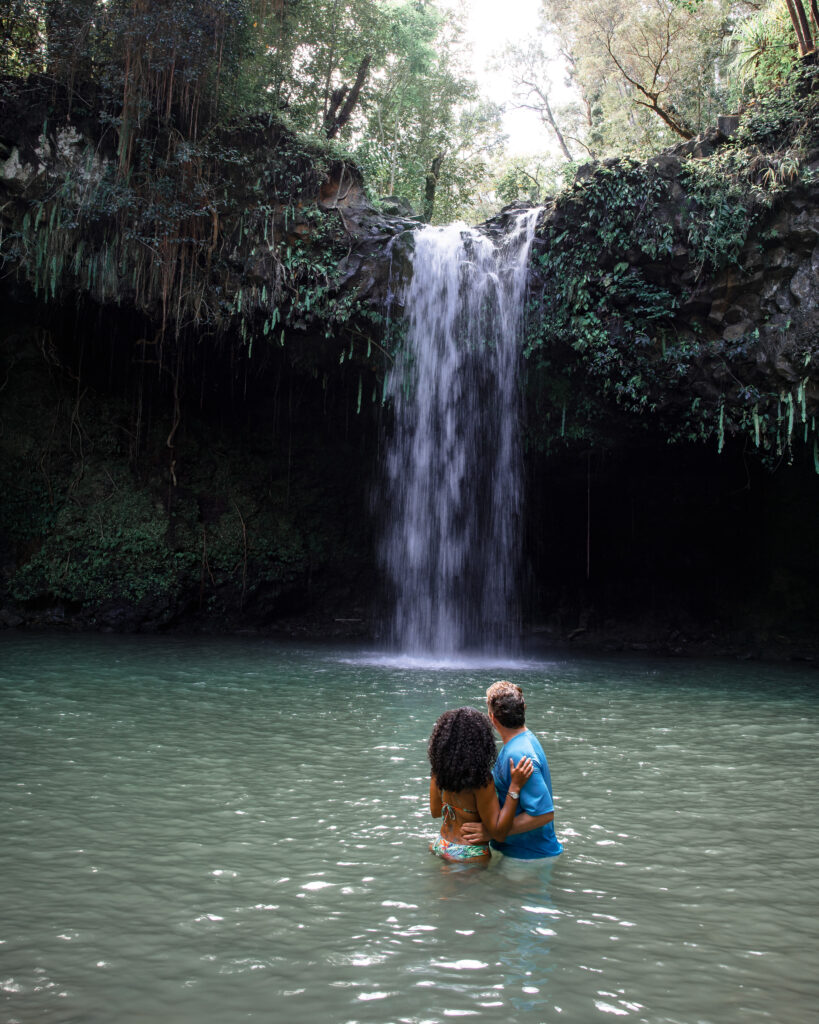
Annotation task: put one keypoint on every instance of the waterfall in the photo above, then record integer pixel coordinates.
(453, 491)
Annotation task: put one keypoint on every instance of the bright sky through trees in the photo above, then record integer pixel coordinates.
(488, 35)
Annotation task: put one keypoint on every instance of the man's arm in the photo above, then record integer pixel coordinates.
(534, 794)
(474, 831)
(526, 822)
(498, 820)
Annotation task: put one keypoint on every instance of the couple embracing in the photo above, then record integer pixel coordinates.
(505, 803)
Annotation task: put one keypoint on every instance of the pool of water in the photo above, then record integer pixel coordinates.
(214, 831)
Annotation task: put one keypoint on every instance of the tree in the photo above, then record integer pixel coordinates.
(69, 29)
(523, 178)
(317, 58)
(640, 65)
(412, 79)
(154, 60)
(528, 65)
(40, 35)
(801, 24)
(343, 99)
(427, 137)
(465, 184)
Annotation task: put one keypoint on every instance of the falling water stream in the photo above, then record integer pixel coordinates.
(451, 548)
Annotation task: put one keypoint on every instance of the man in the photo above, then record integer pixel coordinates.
(533, 832)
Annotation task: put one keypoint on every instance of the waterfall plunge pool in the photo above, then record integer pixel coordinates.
(212, 831)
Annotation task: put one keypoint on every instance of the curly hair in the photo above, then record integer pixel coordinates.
(505, 701)
(461, 750)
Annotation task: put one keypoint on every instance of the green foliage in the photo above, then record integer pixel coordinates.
(646, 74)
(167, 78)
(786, 118)
(726, 209)
(736, 187)
(195, 201)
(774, 424)
(21, 40)
(605, 341)
(517, 183)
(195, 237)
(308, 50)
(531, 179)
(425, 124)
(763, 51)
(106, 542)
(594, 300)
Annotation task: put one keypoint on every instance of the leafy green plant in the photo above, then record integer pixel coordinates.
(604, 335)
(593, 298)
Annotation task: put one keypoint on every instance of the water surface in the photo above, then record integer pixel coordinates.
(216, 831)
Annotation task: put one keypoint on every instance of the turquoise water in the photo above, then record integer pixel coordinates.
(218, 831)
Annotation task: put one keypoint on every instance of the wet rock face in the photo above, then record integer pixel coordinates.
(758, 314)
(803, 283)
(783, 279)
(767, 297)
(773, 296)
(380, 239)
(770, 296)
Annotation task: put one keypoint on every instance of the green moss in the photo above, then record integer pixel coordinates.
(106, 541)
(624, 249)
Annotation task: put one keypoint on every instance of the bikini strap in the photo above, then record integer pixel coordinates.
(450, 809)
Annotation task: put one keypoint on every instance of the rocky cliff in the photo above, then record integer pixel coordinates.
(193, 364)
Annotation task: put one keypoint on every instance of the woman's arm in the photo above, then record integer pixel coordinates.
(498, 820)
(436, 806)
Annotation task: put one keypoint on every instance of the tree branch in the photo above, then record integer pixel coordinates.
(678, 126)
(334, 122)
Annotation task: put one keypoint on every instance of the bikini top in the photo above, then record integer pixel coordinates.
(450, 809)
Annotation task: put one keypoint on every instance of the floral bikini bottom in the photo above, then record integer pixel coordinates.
(458, 851)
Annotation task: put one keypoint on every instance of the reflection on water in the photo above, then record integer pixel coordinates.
(208, 831)
(435, 663)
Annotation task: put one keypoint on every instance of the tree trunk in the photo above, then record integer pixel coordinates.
(675, 123)
(814, 10)
(801, 26)
(431, 186)
(345, 99)
(550, 120)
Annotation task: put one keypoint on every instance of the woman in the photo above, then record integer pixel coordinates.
(461, 754)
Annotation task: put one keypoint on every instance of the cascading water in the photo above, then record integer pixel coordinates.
(451, 545)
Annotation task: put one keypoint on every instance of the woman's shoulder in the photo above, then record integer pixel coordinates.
(462, 798)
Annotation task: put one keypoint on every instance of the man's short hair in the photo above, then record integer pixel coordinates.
(505, 701)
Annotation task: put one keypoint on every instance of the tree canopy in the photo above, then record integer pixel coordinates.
(384, 78)
(389, 81)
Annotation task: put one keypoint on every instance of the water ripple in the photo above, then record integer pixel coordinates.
(204, 831)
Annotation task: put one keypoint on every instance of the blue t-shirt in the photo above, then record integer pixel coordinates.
(535, 798)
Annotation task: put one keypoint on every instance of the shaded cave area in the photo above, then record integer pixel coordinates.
(155, 484)
(171, 483)
(674, 548)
